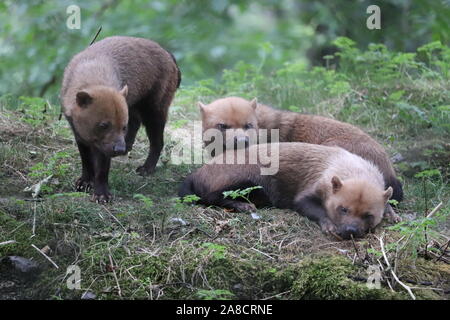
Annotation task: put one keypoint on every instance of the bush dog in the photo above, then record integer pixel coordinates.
(238, 118)
(109, 90)
(341, 191)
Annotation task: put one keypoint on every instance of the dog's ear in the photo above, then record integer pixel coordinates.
(336, 184)
(387, 194)
(83, 99)
(202, 107)
(254, 103)
(124, 91)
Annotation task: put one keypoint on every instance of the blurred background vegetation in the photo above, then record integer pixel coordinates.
(206, 37)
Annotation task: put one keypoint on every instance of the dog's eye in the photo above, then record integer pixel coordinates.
(222, 126)
(248, 126)
(343, 210)
(104, 125)
(367, 215)
(125, 128)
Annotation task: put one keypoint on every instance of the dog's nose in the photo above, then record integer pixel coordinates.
(120, 148)
(349, 231)
(240, 142)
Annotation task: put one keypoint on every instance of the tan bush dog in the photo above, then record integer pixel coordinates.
(237, 118)
(338, 189)
(109, 90)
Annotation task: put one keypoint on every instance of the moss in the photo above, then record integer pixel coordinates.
(420, 271)
(21, 232)
(328, 278)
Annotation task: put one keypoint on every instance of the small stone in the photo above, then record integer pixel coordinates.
(255, 216)
(397, 158)
(179, 221)
(19, 266)
(88, 295)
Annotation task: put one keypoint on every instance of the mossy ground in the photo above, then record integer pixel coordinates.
(133, 250)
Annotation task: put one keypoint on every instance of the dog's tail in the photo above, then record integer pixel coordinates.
(178, 68)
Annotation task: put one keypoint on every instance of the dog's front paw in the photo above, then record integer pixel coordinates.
(102, 198)
(390, 215)
(83, 185)
(145, 170)
(327, 226)
(244, 207)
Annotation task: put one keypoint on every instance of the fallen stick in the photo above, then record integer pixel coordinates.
(7, 242)
(407, 288)
(34, 221)
(115, 275)
(436, 209)
(265, 254)
(117, 220)
(443, 250)
(356, 249)
(46, 256)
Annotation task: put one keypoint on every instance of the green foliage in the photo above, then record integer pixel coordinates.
(393, 202)
(379, 63)
(405, 25)
(35, 111)
(68, 194)
(217, 294)
(57, 166)
(148, 203)
(207, 37)
(418, 232)
(181, 204)
(218, 251)
(428, 173)
(244, 194)
(363, 83)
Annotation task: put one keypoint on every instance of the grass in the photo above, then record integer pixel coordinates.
(151, 246)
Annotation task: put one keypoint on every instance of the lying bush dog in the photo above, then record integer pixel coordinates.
(237, 118)
(108, 90)
(341, 191)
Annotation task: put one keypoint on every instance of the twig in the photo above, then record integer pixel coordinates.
(17, 171)
(356, 249)
(34, 221)
(276, 295)
(433, 212)
(443, 250)
(117, 220)
(96, 35)
(407, 288)
(115, 275)
(262, 253)
(46, 256)
(436, 209)
(7, 242)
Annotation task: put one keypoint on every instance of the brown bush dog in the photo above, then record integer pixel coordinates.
(234, 117)
(109, 90)
(234, 114)
(339, 190)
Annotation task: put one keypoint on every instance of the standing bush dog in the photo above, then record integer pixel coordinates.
(237, 118)
(339, 190)
(108, 91)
